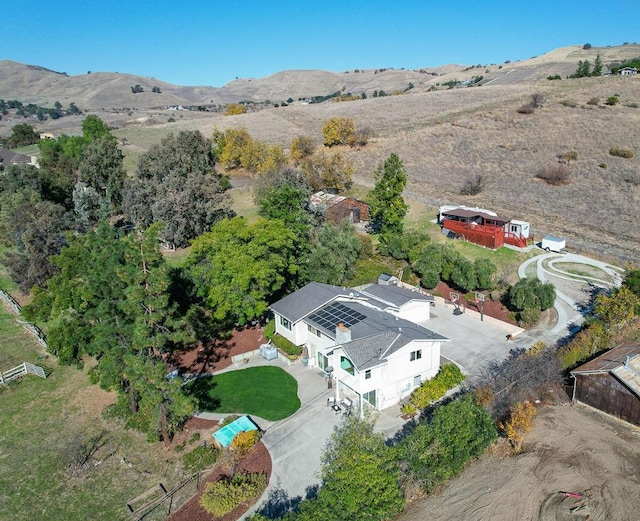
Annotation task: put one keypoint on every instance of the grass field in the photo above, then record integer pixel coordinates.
(46, 421)
(267, 392)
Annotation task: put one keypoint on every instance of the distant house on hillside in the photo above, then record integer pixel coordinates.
(338, 207)
(9, 158)
(484, 227)
(611, 383)
(627, 71)
(370, 340)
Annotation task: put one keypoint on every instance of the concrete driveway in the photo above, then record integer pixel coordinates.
(473, 344)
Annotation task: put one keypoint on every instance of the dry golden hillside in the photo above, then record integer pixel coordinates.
(447, 137)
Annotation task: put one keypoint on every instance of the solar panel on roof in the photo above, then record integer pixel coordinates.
(330, 316)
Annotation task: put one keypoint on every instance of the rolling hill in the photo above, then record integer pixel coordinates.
(445, 137)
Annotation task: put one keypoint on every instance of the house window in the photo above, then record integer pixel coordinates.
(514, 228)
(370, 397)
(367, 374)
(323, 361)
(285, 323)
(314, 331)
(346, 365)
(415, 355)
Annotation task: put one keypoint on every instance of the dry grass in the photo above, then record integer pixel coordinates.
(449, 136)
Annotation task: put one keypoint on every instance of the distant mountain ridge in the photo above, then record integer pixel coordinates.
(104, 90)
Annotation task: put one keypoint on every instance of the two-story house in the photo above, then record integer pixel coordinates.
(371, 340)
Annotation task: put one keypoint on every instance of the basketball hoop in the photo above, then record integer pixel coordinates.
(454, 297)
(480, 304)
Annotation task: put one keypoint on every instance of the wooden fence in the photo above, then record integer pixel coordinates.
(21, 370)
(32, 328)
(165, 501)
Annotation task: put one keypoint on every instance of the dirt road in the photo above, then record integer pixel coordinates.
(572, 448)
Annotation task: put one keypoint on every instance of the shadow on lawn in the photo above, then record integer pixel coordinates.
(200, 388)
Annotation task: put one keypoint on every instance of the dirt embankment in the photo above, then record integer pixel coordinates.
(573, 449)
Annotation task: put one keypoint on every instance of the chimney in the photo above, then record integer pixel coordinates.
(343, 334)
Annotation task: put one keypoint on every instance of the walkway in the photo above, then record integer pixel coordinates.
(572, 289)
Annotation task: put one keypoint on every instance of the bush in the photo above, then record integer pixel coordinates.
(228, 419)
(621, 152)
(243, 441)
(233, 109)
(520, 422)
(437, 451)
(200, 458)
(447, 378)
(569, 156)
(473, 186)
(554, 77)
(221, 497)
(556, 175)
(593, 101)
(338, 131)
(279, 341)
(529, 317)
(526, 109)
(531, 293)
(612, 100)
(569, 103)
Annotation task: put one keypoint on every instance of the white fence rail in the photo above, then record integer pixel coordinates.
(32, 328)
(21, 370)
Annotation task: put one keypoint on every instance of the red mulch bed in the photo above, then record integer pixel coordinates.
(209, 357)
(215, 354)
(256, 460)
(491, 308)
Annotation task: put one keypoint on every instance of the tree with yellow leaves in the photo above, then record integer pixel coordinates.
(233, 109)
(520, 422)
(338, 131)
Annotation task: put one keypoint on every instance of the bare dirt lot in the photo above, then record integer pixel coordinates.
(573, 449)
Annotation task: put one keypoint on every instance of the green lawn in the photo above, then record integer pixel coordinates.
(267, 392)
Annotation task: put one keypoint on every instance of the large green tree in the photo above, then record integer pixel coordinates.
(334, 252)
(22, 135)
(388, 208)
(176, 183)
(239, 268)
(360, 478)
(438, 450)
(110, 299)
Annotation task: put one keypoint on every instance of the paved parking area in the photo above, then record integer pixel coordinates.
(473, 344)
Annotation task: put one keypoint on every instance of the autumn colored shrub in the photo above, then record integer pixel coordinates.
(243, 441)
(338, 131)
(520, 422)
(233, 109)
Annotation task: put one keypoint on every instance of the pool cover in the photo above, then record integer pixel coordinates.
(225, 435)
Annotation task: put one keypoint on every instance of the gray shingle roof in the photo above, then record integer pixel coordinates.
(394, 295)
(307, 299)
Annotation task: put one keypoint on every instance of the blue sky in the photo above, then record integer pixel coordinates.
(189, 42)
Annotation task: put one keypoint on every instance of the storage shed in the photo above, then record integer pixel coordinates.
(611, 383)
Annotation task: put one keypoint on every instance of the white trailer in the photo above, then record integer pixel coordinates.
(551, 243)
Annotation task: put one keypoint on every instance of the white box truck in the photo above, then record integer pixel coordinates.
(551, 243)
